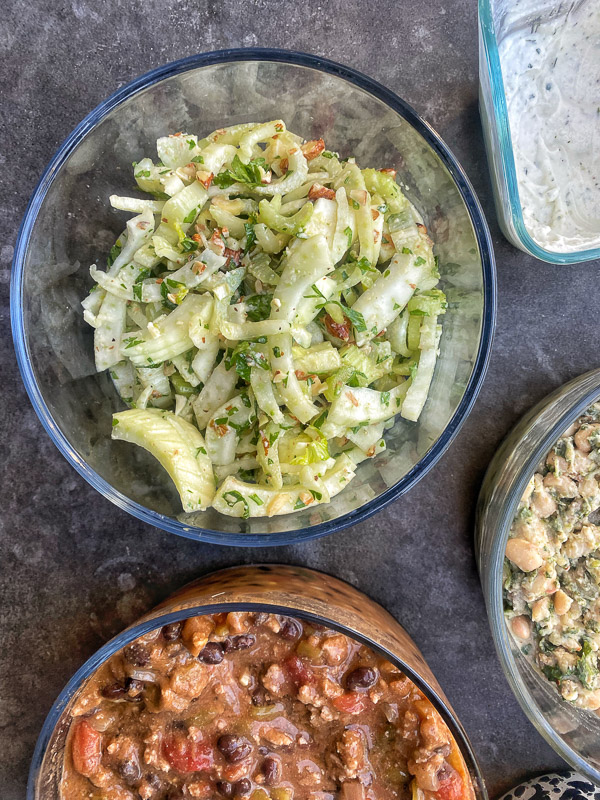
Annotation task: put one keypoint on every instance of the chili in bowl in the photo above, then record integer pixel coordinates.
(251, 703)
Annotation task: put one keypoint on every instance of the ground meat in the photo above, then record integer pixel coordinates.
(335, 648)
(352, 750)
(274, 679)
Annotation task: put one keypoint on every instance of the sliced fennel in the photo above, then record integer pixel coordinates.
(178, 446)
(266, 314)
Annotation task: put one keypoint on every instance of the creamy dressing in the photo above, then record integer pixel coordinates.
(551, 71)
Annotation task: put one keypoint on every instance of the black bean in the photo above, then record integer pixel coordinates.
(444, 772)
(242, 788)
(130, 771)
(271, 769)
(260, 618)
(263, 751)
(113, 692)
(361, 678)
(152, 780)
(260, 696)
(234, 748)
(225, 788)
(134, 688)
(241, 642)
(171, 632)
(212, 653)
(290, 629)
(137, 655)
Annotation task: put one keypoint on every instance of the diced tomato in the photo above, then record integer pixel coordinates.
(186, 755)
(451, 785)
(351, 703)
(339, 329)
(86, 749)
(299, 673)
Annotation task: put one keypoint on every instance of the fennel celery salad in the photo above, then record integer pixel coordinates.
(265, 317)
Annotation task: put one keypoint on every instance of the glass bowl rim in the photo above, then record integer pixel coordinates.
(484, 244)
(502, 125)
(132, 632)
(494, 600)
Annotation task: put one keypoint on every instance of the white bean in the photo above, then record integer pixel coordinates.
(563, 485)
(523, 554)
(521, 627)
(582, 436)
(562, 602)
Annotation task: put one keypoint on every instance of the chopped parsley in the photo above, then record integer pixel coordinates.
(115, 251)
(250, 236)
(192, 215)
(236, 498)
(250, 174)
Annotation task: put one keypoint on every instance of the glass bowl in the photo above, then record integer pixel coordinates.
(69, 225)
(494, 21)
(573, 733)
(294, 591)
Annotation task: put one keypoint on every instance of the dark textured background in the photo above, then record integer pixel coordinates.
(75, 570)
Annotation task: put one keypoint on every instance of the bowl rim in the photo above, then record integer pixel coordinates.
(132, 632)
(495, 557)
(484, 244)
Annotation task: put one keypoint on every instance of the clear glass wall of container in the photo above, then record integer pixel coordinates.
(523, 19)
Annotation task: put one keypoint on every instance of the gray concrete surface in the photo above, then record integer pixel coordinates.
(75, 569)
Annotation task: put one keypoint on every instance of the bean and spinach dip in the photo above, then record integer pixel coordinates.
(552, 565)
(258, 706)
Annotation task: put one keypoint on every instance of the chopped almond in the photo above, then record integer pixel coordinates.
(205, 178)
(313, 148)
(352, 399)
(317, 190)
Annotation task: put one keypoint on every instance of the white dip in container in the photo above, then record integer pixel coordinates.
(551, 70)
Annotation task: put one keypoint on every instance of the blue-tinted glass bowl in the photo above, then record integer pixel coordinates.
(69, 225)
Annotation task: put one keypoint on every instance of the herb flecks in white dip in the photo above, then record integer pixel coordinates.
(552, 565)
(551, 73)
